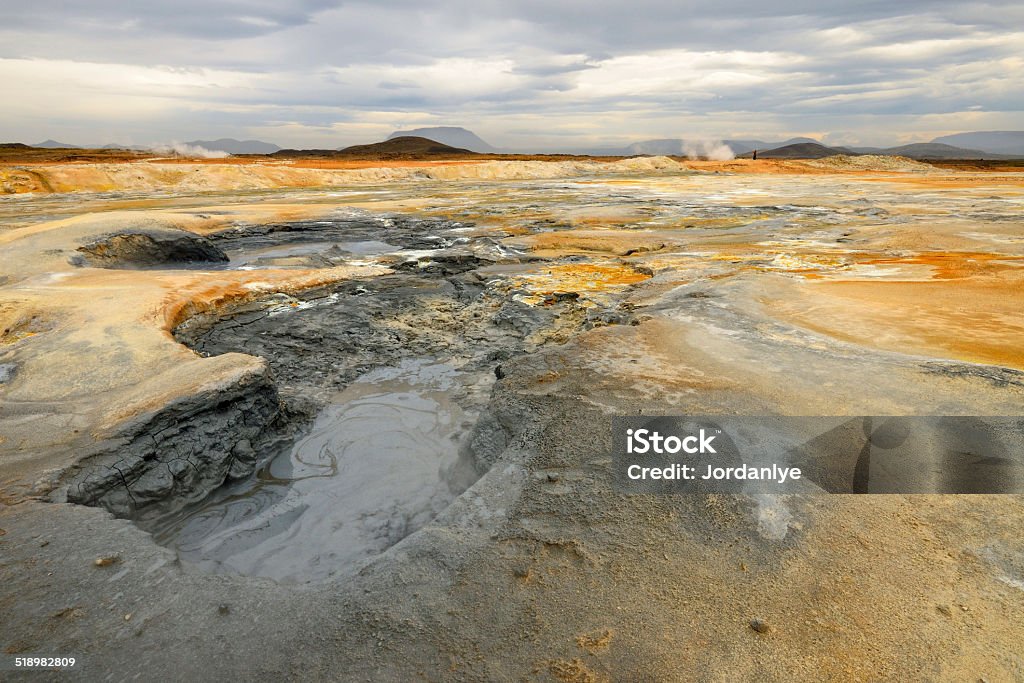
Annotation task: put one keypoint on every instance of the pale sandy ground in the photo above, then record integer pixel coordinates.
(566, 580)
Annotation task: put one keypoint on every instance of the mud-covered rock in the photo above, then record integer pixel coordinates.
(149, 247)
(7, 372)
(335, 335)
(489, 440)
(165, 460)
(444, 264)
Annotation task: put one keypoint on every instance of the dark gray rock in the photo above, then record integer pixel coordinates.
(7, 372)
(148, 247)
(178, 455)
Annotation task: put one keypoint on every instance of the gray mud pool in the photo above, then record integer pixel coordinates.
(379, 462)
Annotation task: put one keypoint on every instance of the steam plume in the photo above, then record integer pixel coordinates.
(716, 150)
(183, 150)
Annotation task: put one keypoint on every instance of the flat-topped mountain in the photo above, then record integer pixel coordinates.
(453, 136)
(233, 146)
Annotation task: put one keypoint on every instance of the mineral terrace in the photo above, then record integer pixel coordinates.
(354, 423)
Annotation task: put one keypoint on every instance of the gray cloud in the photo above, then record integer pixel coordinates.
(202, 19)
(329, 72)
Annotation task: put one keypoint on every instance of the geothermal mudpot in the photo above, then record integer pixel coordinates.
(387, 379)
(367, 435)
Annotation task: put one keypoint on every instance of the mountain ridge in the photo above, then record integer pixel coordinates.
(990, 141)
(229, 145)
(982, 145)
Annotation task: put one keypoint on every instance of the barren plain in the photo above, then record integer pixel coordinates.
(351, 421)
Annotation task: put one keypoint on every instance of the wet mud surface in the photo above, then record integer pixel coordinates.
(379, 462)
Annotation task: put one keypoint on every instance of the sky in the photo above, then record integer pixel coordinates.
(527, 75)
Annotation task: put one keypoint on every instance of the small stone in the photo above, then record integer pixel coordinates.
(243, 449)
(107, 560)
(7, 371)
(553, 476)
(128, 617)
(560, 297)
(944, 609)
(759, 625)
(178, 468)
(223, 609)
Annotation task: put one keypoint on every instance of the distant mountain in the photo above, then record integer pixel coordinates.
(917, 150)
(452, 136)
(232, 146)
(739, 147)
(934, 150)
(679, 146)
(114, 145)
(405, 146)
(591, 151)
(53, 144)
(809, 148)
(993, 141)
(229, 145)
(744, 146)
(800, 150)
(931, 150)
(660, 146)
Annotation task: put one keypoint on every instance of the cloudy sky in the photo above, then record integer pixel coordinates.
(523, 74)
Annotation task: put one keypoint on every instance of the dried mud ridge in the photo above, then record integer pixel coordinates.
(435, 305)
(153, 247)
